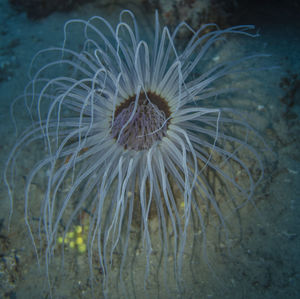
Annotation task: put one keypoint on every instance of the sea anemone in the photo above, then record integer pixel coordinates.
(134, 132)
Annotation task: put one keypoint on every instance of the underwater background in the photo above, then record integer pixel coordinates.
(263, 260)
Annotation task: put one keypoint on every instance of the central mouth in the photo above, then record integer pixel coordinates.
(140, 122)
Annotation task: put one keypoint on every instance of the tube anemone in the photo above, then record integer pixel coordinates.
(132, 129)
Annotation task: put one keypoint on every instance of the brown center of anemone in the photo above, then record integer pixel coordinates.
(139, 123)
